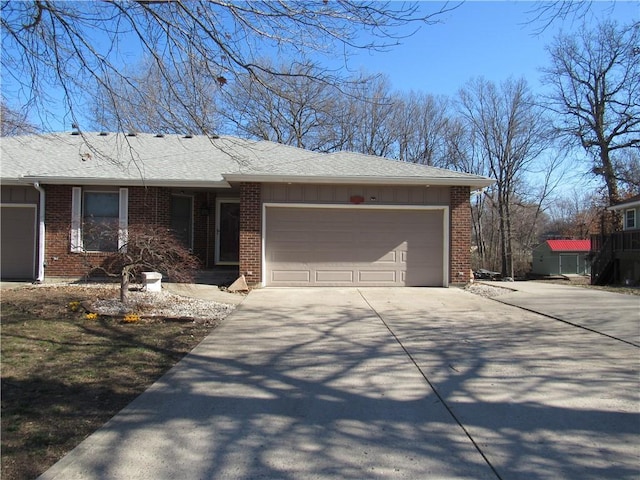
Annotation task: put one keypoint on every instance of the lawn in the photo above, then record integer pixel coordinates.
(64, 374)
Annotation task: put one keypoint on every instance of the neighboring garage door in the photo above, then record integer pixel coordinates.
(18, 242)
(353, 246)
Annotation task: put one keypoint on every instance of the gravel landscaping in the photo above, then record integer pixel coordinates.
(161, 304)
(487, 291)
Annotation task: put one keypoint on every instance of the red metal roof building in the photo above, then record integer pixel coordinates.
(561, 257)
(569, 245)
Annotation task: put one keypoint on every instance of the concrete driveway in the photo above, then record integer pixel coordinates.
(380, 383)
(614, 314)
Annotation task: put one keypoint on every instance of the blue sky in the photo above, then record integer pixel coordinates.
(491, 39)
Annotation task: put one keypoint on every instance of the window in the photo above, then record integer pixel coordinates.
(630, 219)
(182, 219)
(99, 220)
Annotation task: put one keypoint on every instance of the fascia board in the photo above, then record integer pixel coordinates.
(624, 206)
(124, 182)
(478, 182)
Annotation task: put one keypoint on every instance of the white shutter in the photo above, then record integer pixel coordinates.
(123, 220)
(76, 220)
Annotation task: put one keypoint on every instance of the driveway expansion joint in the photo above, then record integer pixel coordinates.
(432, 387)
(566, 321)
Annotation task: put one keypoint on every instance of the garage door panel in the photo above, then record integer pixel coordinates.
(18, 231)
(324, 276)
(353, 247)
(290, 276)
(377, 276)
(334, 256)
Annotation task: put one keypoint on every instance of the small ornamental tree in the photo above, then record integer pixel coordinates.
(150, 248)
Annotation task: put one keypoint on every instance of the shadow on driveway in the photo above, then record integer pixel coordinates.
(336, 383)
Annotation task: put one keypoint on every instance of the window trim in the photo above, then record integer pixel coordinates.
(77, 245)
(635, 219)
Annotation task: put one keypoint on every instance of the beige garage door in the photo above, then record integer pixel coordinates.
(353, 247)
(18, 242)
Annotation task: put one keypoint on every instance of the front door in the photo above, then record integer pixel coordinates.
(227, 231)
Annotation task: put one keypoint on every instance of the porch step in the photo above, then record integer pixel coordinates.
(218, 276)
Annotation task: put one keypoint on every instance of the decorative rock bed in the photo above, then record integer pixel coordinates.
(160, 305)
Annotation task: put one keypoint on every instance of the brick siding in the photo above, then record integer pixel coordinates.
(153, 205)
(251, 232)
(460, 236)
(146, 205)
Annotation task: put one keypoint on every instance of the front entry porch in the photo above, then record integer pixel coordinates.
(223, 275)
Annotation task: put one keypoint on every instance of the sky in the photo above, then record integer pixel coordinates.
(489, 39)
(495, 40)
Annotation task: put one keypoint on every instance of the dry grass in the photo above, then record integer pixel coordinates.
(64, 375)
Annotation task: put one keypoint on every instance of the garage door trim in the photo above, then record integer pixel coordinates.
(445, 227)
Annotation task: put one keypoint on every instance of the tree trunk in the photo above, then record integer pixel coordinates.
(503, 239)
(124, 287)
(609, 175)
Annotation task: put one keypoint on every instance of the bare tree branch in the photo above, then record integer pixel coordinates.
(56, 49)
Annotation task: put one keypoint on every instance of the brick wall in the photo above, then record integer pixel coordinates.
(460, 236)
(251, 232)
(150, 205)
(58, 259)
(146, 205)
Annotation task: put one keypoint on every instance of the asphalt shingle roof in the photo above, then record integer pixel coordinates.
(197, 160)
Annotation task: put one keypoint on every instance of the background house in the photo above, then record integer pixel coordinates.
(281, 216)
(616, 257)
(562, 257)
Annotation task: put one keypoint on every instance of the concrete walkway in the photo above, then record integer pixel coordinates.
(613, 314)
(379, 383)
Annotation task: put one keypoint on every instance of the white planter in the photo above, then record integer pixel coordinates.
(152, 281)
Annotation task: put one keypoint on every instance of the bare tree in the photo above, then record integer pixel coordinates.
(543, 14)
(13, 122)
(157, 98)
(421, 123)
(55, 49)
(297, 108)
(367, 117)
(574, 215)
(509, 132)
(148, 247)
(595, 76)
(627, 165)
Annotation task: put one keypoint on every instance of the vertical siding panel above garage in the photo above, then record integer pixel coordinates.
(341, 194)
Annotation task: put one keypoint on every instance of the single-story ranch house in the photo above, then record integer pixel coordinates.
(284, 216)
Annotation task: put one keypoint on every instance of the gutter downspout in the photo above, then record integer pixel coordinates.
(41, 233)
